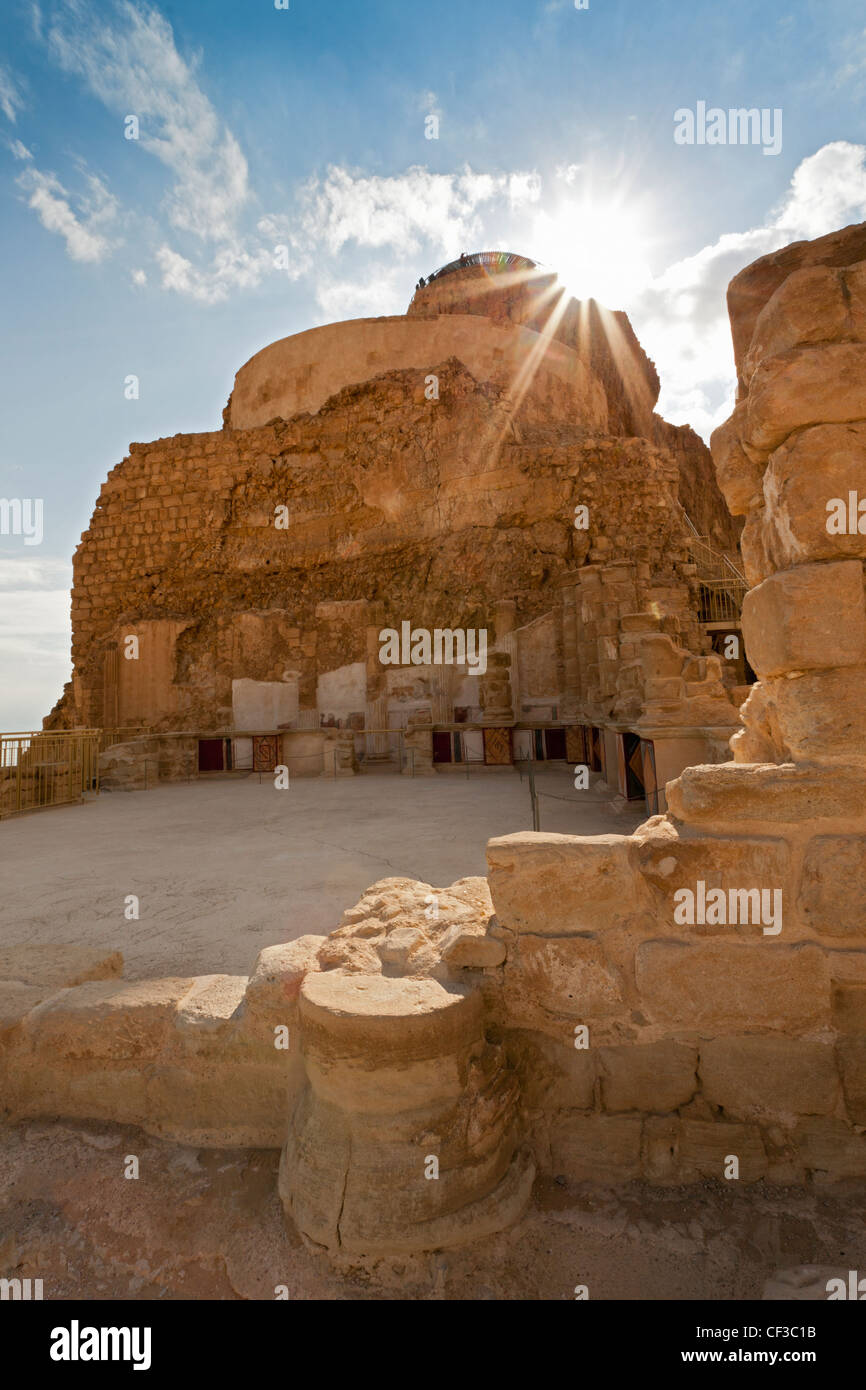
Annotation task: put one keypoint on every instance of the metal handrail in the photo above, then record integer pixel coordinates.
(494, 260)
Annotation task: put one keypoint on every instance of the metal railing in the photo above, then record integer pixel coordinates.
(493, 260)
(723, 584)
(40, 769)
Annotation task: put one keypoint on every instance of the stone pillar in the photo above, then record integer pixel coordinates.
(494, 696)
(789, 459)
(569, 705)
(405, 1138)
(418, 749)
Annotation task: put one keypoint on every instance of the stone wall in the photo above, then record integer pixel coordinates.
(389, 497)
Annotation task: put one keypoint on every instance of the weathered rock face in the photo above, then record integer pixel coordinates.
(346, 494)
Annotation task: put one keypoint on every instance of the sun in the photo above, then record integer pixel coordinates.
(599, 251)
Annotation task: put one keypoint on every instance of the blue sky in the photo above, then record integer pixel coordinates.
(306, 129)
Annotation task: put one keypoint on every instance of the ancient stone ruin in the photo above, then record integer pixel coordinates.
(682, 1004)
(489, 463)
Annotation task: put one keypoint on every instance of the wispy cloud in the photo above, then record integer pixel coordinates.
(128, 58)
(11, 95)
(81, 227)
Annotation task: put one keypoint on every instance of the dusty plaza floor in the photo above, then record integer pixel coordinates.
(207, 1224)
(225, 867)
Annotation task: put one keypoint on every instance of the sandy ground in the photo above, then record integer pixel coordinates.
(205, 1224)
(225, 867)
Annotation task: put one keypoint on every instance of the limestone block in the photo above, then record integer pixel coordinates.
(219, 1105)
(805, 477)
(553, 1075)
(819, 715)
(548, 979)
(660, 1148)
(58, 966)
(752, 1075)
(736, 866)
(466, 950)
(849, 1001)
(705, 1148)
(812, 617)
(552, 885)
(809, 307)
(832, 894)
(802, 387)
(829, 1150)
(769, 792)
(16, 1001)
(833, 886)
(734, 984)
(650, 1077)
(85, 1088)
(596, 1148)
(852, 1063)
(739, 478)
(756, 542)
(273, 988)
(210, 1007)
(107, 1019)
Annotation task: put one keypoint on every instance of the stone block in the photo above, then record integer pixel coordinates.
(596, 1148)
(559, 978)
(829, 1150)
(107, 1019)
(849, 1003)
(553, 1075)
(552, 885)
(805, 476)
(832, 893)
(755, 1076)
(733, 984)
(769, 792)
(739, 478)
(852, 1063)
(809, 307)
(673, 865)
(819, 715)
(809, 618)
(657, 1076)
(16, 1001)
(705, 1148)
(802, 387)
(58, 966)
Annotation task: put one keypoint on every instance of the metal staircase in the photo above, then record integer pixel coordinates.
(723, 584)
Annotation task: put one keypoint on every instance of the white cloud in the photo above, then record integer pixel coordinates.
(11, 95)
(35, 637)
(19, 150)
(139, 277)
(52, 204)
(232, 268)
(404, 212)
(131, 63)
(681, 318)
(372, 296)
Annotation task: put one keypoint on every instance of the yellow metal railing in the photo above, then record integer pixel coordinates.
(47, 769)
